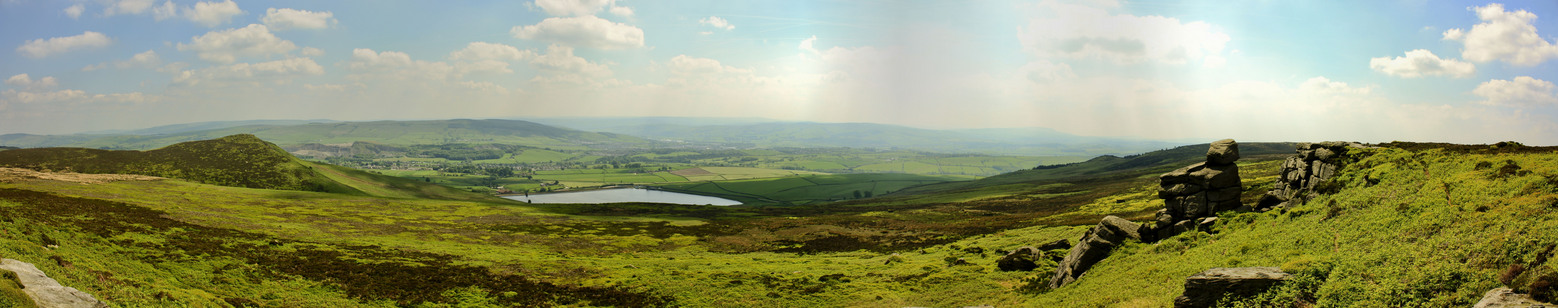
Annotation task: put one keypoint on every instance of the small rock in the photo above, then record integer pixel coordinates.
(1205, 288)
(1507, 298)
(1022, 260)
(1057, 244)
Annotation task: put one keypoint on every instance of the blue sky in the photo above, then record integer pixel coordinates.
(1372, 71)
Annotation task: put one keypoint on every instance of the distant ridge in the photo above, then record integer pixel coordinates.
(383, 132)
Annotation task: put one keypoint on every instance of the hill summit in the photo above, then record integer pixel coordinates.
(241, 160)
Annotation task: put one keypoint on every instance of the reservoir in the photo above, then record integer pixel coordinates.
(619, 195)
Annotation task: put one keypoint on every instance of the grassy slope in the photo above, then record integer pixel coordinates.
(394, 187)
(237, 160)
(1408, 229)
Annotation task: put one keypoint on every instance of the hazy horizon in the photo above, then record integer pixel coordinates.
(1441, 71)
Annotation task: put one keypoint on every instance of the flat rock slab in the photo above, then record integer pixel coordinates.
(46, 292)
(1507, 298)
(1205, 288)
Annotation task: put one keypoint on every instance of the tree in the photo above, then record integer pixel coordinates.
(857, 194)
(868, 194)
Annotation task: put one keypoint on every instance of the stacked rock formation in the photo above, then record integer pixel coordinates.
(1200, 190)
(1315, 164)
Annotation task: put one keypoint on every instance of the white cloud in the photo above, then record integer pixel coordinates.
(559, 60)
(622, 11)
(40, 48)
(705, 32)
(1421, 62)
(74, 11)
(211, 14)
(127, 7)
(1079, 31)
(686, 65)
(147, 59)
(490, 51)
(144, 59)
(1043, 71)
(572, 7)
(25, 82)
(284, 19)
(72, 96)
(1324, 85)
(807, 44)
(715, 21)
(312, 52)
(225, 46)
(1503, 35)
(165, 11)
(583, 31)
(272, 71)
(1523, 91)
(368, 64)
(488, 57)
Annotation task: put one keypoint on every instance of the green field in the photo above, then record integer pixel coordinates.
(808, 189)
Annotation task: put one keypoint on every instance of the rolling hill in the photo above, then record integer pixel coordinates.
(238, 160)
(385, 132)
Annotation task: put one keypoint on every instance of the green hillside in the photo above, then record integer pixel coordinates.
(385, 132)
(237, 160)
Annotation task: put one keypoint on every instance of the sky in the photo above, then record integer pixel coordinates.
(1371, 71)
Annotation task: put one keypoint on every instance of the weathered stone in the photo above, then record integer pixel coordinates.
(1191, 206)
(1205, 288)
(1324, 154)
(1178, 190)
(1269, 200)
(47, 292)
(1219, 176)
(1094, 247)
(1182, 175)
(1205, 223)
(1222, 152)
(1057, 244)
(1306, 154)
(1507, 298)
(1225, 205)
(1023, 259)
(1320, 172)
(1224, 194)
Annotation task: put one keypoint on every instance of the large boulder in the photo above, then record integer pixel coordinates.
(1093, 247)
(1507, 298)
(46, 292)
(1205, 288)
(1223, 152)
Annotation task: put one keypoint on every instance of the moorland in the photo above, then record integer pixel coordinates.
(343, 218)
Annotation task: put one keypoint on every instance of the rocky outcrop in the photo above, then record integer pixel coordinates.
(1057, 244)
(1093, 247)
(1507, 298)
(1205, 288)
(1199, 190)
(1023, 259)
(46, 292)
(1305, 174)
